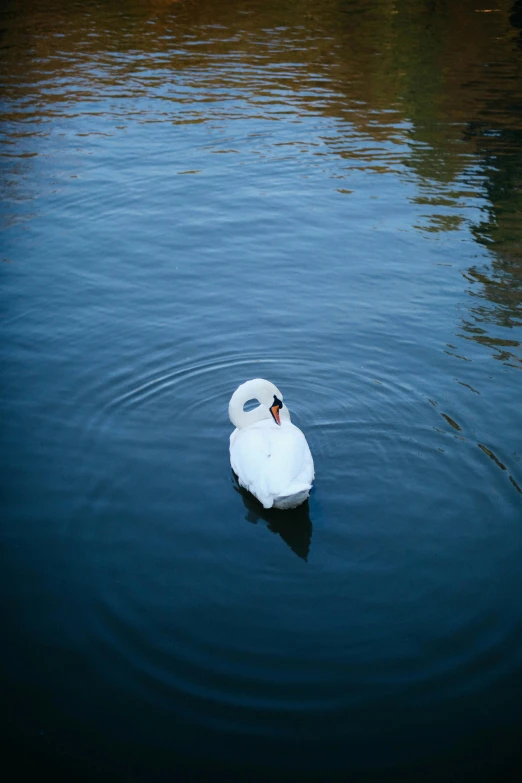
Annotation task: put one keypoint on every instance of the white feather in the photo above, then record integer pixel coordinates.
(272, 461)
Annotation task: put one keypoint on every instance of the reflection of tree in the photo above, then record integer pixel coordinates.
(516, 19)
(471, 112)
(418, 87)
(501, 230)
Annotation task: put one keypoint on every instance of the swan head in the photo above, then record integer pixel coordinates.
(270, 403)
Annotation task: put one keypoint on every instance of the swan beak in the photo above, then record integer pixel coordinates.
(274, 410)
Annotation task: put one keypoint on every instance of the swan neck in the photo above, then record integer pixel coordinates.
(257, 389)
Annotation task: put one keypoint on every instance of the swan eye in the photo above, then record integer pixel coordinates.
(278, 402)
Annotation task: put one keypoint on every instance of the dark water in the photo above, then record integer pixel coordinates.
(327, 194)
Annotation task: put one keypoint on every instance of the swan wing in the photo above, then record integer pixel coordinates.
(271, 461)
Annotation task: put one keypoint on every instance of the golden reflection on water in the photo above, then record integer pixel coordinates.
(422, 90)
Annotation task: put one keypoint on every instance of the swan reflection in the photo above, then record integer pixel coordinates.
(293, 525)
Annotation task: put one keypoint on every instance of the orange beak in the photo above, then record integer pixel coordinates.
(274, 410)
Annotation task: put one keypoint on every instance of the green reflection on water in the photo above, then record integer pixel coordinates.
(428, 91)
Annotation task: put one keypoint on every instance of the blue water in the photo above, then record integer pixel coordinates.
(326, 195)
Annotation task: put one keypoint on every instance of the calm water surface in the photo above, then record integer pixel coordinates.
(327, 194)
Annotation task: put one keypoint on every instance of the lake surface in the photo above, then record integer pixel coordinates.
(326, 194)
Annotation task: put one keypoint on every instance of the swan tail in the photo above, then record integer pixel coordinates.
(293, 497)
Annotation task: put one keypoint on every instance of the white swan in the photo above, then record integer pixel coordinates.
(269, 454)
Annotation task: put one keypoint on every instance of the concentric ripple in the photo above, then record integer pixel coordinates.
(326, 195)
(227, 632)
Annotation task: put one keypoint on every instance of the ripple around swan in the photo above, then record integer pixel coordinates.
(225, 684)
(198, 193)
(169, 609)
(203, 385)
(127, 401)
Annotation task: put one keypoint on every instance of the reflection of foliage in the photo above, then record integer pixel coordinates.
(504, 290)
(431, 87)
(437, 223)
(501, 231)
(465, 80)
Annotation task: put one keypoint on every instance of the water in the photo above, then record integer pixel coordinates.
(327, 195)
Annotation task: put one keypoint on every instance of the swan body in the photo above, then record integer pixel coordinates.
(269, 454)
